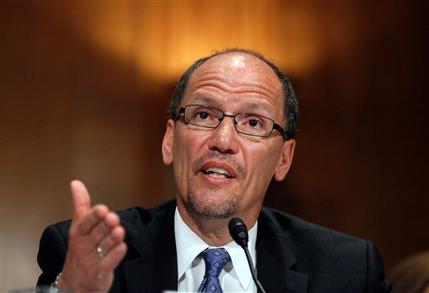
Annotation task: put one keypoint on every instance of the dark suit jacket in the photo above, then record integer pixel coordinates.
(292, 255)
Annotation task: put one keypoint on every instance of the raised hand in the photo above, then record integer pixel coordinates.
(96, 245)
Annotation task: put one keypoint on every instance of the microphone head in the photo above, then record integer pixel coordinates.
(238, 231)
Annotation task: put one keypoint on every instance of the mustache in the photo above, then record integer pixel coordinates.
(198, 163)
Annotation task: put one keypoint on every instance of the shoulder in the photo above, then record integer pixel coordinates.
(313, 244)
(331, 258)
(134, 220)
(295, 228)
(137, 220)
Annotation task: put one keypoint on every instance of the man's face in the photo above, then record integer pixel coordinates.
(219, 172)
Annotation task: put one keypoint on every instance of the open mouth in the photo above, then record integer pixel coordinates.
(217, 173)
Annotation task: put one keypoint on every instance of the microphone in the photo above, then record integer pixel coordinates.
(238, 232)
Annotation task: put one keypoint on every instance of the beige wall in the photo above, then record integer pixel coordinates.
(84, 88)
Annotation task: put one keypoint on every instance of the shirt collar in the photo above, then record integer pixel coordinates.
(189, 245)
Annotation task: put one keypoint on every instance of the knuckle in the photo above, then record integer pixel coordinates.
(75, 231)
(100, 210)
(99, 230)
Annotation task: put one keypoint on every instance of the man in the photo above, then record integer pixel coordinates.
(226, 140)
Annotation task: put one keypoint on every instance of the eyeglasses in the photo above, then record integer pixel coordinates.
(245, 123)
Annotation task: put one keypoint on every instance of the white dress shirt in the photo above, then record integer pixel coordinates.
(235, 276)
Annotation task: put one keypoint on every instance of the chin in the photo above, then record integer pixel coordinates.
(212, 206)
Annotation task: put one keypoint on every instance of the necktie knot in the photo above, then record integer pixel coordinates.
(215, 259)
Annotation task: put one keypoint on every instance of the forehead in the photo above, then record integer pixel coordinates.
(237, 72)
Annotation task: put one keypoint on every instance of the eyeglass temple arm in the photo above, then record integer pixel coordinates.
(281, 130)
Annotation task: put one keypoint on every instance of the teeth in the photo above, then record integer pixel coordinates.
(216, 172)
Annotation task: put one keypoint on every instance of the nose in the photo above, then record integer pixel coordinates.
(224, 137)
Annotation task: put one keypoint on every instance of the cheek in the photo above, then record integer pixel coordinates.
(185, 152)
(180, 157)
(263, 160)
(180, 163)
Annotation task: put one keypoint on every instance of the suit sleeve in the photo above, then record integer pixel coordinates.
(375, 271)
(51, 255)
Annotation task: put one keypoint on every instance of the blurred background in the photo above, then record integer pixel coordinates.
(85, 85)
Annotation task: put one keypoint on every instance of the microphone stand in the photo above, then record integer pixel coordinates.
(252, 270)
(238, 231)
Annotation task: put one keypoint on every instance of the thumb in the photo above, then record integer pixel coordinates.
(81, 199)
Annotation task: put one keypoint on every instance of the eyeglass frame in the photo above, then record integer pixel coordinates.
(276, 126)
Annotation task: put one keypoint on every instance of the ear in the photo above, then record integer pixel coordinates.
(285, 160)
(168, 142)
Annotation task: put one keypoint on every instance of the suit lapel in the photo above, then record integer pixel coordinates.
(275, 262)
(151, 265)
(154, 268)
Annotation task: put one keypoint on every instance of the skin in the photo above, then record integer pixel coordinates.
(233, 82)
(83, 270)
